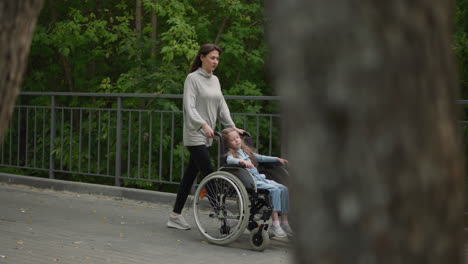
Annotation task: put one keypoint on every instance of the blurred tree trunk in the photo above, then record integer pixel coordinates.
(221, 30)
(53, 11)
(17, 21)
(371, 123)
(67, 67)
(138, 25)
(154, 26)
(138, 18)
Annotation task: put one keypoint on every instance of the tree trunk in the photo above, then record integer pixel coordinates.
(371, 123)
(221, 30)
(138, 18)
(17, 21)
(67, 68)
(53, 11)
(154, 24)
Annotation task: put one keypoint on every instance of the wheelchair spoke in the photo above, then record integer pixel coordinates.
(219, 212)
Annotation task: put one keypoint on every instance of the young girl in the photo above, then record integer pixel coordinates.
(240, 153)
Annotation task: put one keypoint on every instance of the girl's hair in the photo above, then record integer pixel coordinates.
(250, 151)
(204, 50)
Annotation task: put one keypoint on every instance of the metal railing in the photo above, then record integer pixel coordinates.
(120, 136)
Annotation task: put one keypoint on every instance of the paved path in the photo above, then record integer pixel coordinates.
(44, 226)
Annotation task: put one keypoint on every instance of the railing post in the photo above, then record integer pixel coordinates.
(52, 138)
(118, 145)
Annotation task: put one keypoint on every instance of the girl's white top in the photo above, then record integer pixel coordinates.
(203, 103)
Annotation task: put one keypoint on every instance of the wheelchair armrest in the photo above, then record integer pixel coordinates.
(275, 171)
(242, 173)
(271, 165)
(233, 166)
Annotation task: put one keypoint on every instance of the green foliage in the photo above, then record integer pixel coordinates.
(92, 46)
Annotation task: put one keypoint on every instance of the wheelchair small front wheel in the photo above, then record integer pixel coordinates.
(259, 240)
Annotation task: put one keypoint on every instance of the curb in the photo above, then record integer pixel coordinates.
(88, 188)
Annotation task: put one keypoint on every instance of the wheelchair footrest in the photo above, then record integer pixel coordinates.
(262, 227)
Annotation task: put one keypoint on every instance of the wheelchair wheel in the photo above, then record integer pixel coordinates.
(259, 241)
(221, 208)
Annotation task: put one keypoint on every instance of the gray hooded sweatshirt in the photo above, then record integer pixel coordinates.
(203, 104)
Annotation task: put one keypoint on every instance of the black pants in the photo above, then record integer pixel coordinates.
(199, 162)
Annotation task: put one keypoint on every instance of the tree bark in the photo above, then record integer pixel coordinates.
(67, 69)
(154, 24)
(138, 18)
(53, 11)
(221, 30)
(371, 127)
(17, 22)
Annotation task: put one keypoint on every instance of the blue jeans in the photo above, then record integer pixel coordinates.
(278, 193)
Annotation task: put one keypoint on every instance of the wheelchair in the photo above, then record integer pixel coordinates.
(227, 202)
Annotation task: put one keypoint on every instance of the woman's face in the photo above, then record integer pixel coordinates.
(234, 140)
(210, 61)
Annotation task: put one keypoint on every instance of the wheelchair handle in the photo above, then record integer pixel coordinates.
(218, 134)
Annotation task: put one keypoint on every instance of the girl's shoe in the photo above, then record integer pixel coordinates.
(287, 229)
(277, 231)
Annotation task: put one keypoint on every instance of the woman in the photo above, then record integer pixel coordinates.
(203, 105)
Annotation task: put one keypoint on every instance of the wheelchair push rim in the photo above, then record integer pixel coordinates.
(221, 208)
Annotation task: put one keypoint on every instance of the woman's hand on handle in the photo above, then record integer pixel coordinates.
(208, 131)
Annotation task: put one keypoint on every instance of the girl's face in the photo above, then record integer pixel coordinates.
(234, 140)
(210, 61)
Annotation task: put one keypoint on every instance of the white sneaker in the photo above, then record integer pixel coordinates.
(287, 229)
(178, 222)
(277, 231)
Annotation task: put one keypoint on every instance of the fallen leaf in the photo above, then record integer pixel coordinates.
(20, 242)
